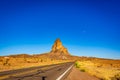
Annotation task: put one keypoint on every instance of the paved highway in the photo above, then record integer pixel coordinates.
(50, 72)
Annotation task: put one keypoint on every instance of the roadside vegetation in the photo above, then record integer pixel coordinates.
(12, 63)
(101, 70)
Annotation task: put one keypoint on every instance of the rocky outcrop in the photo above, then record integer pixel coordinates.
(59, 50)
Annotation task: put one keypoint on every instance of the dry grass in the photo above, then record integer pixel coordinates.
(13, 63)
(100, 70)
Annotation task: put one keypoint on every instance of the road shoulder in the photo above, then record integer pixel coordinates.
(76, 74)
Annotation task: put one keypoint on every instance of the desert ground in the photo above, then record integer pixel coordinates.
(100, 68)
(25, 61)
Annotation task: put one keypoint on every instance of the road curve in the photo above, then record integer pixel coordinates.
(51, 72)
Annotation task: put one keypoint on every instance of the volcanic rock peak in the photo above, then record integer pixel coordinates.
(59, 49)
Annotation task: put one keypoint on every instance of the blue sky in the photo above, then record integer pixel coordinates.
(86, 27)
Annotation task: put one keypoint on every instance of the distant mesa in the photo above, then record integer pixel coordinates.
(59, 50)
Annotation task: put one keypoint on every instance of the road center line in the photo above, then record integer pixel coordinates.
(60, 77)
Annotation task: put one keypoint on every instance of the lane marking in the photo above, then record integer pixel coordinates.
(60, 77)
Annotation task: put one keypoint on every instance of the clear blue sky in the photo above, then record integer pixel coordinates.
(86, 27)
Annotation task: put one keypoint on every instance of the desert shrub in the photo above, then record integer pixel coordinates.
(52, 60)
(116, 77)
(83, 70)
(6, 62)
(1, 60)
(77, 64)
(41, 60)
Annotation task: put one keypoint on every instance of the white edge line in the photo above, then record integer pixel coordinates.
(64, 73)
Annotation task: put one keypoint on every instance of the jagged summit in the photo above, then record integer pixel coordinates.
(59, 49)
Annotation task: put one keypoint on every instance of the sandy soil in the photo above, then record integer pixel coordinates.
(76, 74)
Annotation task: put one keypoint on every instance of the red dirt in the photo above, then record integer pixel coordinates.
(76, 74)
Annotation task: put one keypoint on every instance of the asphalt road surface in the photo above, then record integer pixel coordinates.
(50, 72)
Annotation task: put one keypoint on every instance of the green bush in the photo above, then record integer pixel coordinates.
(77, 64)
